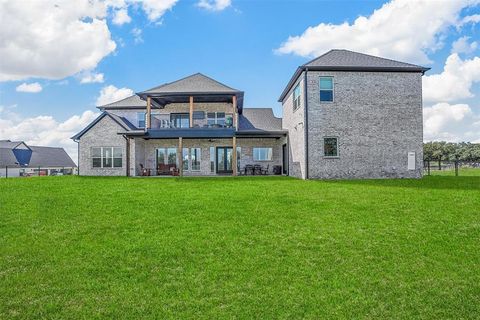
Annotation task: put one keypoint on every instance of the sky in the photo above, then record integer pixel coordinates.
(59, 59)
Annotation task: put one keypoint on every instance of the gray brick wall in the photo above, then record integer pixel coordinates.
(103, 134)
(293, 121)
(377, 118)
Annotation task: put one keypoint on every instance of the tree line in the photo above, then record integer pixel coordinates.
(449, 151)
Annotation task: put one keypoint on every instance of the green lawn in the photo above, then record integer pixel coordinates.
(77, 247)
(462, 172)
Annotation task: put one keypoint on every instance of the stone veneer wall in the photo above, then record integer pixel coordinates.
(103, 134)
(377, 118)
(293, 121)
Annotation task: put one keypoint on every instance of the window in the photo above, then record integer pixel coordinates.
(330, 147)
(106, 157)
(185, 159)
(262, 154)
(326, 89)
(141, 119)
(195, 157)
(180, 120)
(212, 159)
(216, 119)
(296, 97)
(167, 156)
(239, 151)
(191, 159)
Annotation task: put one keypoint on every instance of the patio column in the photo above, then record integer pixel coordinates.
(180, 155)
(234, 156)
(191, 111)
(234, 107)
(149, 113)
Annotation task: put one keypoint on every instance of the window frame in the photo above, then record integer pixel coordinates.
(216, 118)
(103, 158)
(330, 90)
(180, 116)
(337, 148)
(264, 160)
(297, 100)
(144, 119)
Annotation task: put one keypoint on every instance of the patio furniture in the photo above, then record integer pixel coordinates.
(144, 171)
(265, 171)
(257, 169)
(277, 170)
(249, 169)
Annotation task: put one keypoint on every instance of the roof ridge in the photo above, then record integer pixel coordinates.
(104, 105)
(371, 55)
(305, 64)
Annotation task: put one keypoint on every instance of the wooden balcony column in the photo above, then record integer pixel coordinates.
(234, 156)
(191, 111)
(148, 115)
(180, 156)
(234, 107)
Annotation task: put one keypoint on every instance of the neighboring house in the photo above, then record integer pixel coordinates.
(359, 117)
(19, 159)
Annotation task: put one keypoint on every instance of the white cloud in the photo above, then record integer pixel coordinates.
(44, 130)
(137, 35)
(121, 17)
(34, 87)
(214, 5)
(453, 123)
(111, 94)
(52, 39)
(454, 82)
(462, 45)
(386, 32)
(470, 19)
(92, 77)
(155, 9)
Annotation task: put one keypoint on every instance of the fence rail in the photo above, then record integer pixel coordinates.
(455, 165)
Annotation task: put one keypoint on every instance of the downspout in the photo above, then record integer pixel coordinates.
(305, 126)
(127, 156)
(78, 156)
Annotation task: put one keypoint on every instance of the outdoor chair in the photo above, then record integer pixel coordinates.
(248, 169)
(143, 170)
(257, 169)
(265, 171)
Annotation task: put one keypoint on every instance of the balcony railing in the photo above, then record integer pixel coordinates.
(164, 121)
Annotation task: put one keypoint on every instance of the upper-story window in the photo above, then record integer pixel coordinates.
(296, 97)
(141, 119)
(216, 119)
(326, 89)
(180, 120)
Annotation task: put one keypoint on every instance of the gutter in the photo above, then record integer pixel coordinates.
(306, 121)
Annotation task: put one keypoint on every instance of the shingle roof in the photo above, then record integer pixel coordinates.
(349, 59)
(124, 123)
(254, 119)
(196, 83)
(129, 102)
(345, 60)
(7, 158)
(9, 144)
(40, 157)
(50, 157)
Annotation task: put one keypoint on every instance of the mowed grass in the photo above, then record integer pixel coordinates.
(463, 172)
(80, 247)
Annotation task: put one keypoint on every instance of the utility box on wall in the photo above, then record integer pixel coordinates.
(411, 161)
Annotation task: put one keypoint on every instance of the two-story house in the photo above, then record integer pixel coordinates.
(345, 115)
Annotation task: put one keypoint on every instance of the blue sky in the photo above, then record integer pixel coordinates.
(244, 44)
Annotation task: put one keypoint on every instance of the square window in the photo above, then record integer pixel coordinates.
(330, 147)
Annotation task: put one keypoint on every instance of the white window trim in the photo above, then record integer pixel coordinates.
(338, 148)
(144, 119)
(333, 90)
(101, 158)
(253, 154)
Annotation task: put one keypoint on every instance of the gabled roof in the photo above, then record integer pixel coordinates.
(11, 144)
(50, 157)
(341, 59)
(124, 123)
(132, 102)
(259, 119)
(196, 83)
(35, 157)
(345, 60)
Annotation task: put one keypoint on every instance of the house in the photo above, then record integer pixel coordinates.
(19, 159)
(345, 115)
